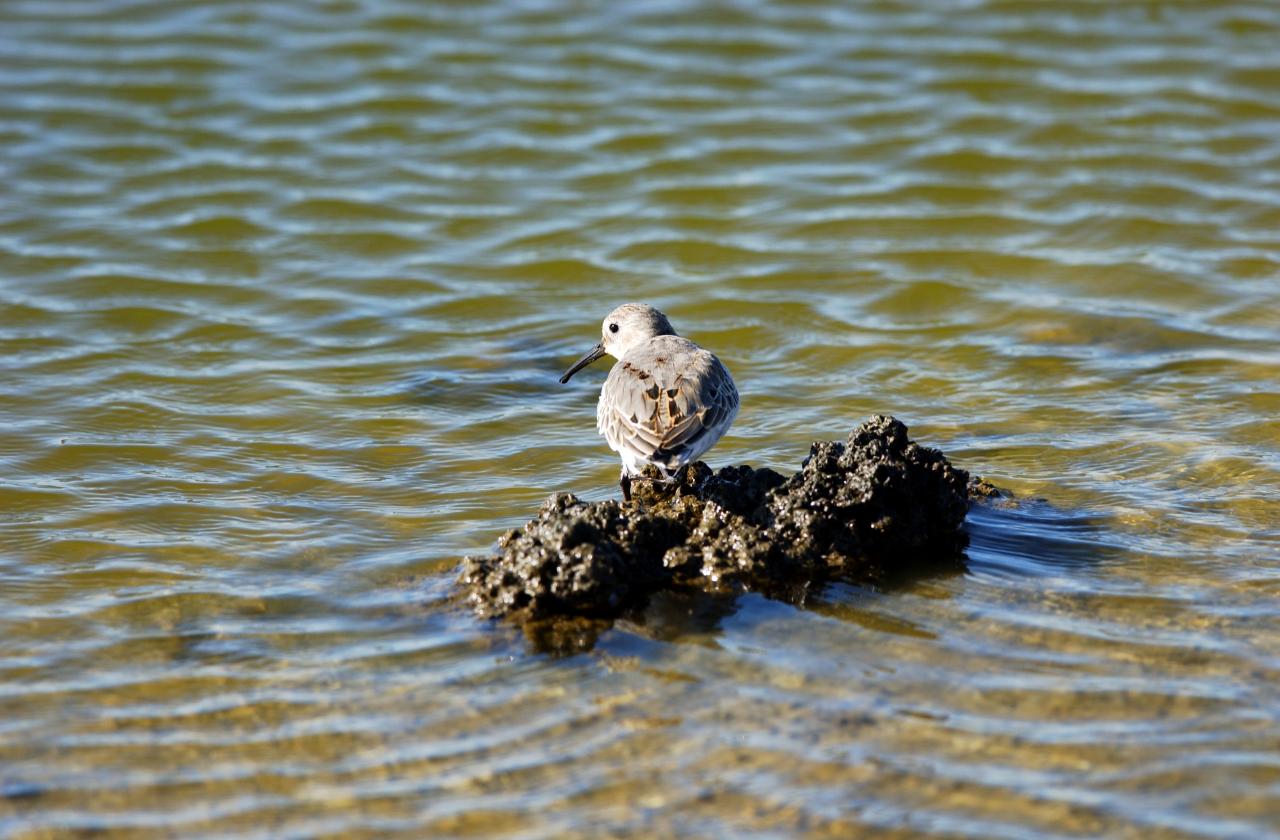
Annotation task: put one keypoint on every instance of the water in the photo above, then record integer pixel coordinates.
(284, 292)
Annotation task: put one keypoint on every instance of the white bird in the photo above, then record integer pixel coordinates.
(666, 401)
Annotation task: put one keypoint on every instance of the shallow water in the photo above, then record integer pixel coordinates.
(284, 292)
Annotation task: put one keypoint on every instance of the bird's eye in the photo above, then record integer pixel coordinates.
(613, 328)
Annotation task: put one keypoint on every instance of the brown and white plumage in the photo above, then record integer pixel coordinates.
(666, 400)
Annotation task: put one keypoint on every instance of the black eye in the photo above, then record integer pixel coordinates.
(613, 328)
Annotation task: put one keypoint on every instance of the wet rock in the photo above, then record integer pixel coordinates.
(980, 488)
(872, 505)
(574, 558)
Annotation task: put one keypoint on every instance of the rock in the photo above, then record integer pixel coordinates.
(575, 558)
(875, 504)
(980, 488)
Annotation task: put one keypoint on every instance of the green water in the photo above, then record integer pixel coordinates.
(284, 292)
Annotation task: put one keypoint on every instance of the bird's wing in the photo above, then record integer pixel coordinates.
(665, 410)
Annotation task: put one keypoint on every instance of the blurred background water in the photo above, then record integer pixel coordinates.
(284, 291)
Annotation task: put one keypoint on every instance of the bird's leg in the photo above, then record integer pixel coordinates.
(625, 483)
(671, 484)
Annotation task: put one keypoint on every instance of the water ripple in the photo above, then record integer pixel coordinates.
(285, 290)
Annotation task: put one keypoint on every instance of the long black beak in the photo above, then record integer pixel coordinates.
(595, 353)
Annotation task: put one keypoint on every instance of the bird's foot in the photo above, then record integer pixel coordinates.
(654, 487)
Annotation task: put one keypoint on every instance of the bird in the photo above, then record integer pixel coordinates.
(666, 400)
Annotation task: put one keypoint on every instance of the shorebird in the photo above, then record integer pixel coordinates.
(666, 401)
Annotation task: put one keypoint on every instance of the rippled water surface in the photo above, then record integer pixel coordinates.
(284, 292)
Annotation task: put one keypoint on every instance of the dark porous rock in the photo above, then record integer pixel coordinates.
(980, 488)
(873, 505)
(575, 558)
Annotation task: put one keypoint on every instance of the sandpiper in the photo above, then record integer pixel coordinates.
(666, 401)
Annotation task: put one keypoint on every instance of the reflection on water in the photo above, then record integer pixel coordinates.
(1031, 537)
(284, 292)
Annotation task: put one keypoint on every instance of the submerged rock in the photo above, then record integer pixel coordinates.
(873, 505)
